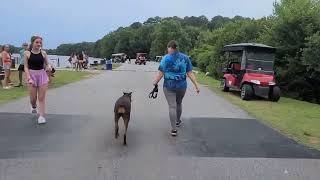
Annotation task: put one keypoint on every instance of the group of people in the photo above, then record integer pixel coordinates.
(79, 62)
(6, 61)
(34, 63)
(175, 68)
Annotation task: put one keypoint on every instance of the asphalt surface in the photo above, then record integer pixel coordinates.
(217, 140)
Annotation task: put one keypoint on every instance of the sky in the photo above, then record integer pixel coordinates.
(73, 21)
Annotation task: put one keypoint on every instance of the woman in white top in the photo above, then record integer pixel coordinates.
(74, 61)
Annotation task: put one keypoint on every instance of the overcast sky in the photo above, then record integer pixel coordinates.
(71, 21)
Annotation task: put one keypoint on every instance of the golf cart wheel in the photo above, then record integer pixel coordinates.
(224, 86)
(246, 92)
(274, 93)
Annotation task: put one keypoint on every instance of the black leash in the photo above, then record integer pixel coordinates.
(154, 93)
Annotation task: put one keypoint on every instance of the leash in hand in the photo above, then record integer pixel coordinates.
(154, 93)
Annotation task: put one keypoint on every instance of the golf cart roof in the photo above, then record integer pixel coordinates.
(159, 56)
(141, 53)
(244, 46)
(119, 54)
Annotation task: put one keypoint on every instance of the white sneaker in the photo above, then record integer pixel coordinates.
(7, 87)
(41, 120)
(33, 110)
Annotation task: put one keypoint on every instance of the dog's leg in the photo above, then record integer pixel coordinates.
(116, 121)
(126, 123)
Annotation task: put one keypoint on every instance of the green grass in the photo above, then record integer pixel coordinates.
(296, 119)
(62, 78)
(103, 66)
(115, 66)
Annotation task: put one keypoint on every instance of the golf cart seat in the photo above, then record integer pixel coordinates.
(236, 68)
(250, 66)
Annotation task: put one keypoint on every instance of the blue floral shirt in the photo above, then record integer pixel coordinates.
(175, 68)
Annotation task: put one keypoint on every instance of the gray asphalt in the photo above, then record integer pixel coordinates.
(217, 141)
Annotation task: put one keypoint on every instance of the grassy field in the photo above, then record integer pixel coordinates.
(296, 119)
(62, 78)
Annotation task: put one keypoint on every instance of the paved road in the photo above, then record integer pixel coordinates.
(217, 141)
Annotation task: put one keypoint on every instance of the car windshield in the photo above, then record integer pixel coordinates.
(260, 61)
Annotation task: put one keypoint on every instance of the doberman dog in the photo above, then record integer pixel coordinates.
(122, 109)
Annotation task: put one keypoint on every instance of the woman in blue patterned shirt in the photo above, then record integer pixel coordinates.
(175, 67)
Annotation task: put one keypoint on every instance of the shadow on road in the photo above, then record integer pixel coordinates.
(20, 137)
(244, 138)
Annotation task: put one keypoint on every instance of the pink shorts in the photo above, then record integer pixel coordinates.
(39, 77)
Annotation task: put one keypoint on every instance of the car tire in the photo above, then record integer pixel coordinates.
(274, 93)
(246, 92)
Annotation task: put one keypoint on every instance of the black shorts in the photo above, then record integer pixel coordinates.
(21, 67)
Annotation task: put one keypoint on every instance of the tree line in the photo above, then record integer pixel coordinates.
(293, 28)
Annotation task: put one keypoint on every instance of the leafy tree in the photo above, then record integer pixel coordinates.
(154, 20)
(311, 56)
(166, 31)
(141, 40)
(107, 45)
(293, 28)
(136, 25)
(123, 41)
(218, 22)
(193, 33)
(311, 60)
(200, 21)
(293, 22)
(210, 44)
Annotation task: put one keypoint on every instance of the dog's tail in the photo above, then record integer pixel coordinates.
(121, 110)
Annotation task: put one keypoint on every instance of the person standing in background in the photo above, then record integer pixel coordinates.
(80, 61)
(70, 60)
(74, 61)
(6, 60)
(1, 70)
(86, 62)
(21, 65)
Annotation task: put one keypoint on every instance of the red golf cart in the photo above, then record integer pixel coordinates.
(250, 70)
(141, 58)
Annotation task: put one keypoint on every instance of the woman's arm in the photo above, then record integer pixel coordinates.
(194, 80)
(46, 62)
(26, 67)
(5, 56)
(158, 77)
